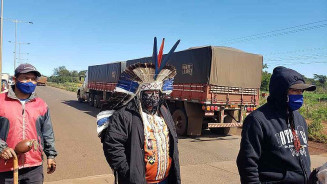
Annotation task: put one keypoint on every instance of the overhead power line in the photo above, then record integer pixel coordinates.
(296, 51)
(300, 57)
(280, 32)
(296, 63)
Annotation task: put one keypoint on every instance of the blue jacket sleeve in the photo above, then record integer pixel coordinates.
(250, 150)
(48, 136)
(4, 127)
(3, 145)
(114, 145)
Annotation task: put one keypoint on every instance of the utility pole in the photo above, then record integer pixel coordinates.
(15, 45)
(15, 50)
(1, 26)
(19, 43)
(17, 21)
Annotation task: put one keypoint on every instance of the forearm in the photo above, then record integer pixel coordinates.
(49, 146)
(115, 154)
(48, 137)
(250, 151)
(248, 170)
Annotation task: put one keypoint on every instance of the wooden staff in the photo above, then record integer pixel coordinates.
(21, 148)
(15, 170)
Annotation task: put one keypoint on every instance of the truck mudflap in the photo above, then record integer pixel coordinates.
(221, 125)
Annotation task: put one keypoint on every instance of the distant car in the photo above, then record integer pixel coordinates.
(4, 86)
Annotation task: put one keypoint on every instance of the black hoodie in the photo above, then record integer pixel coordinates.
(267, 153)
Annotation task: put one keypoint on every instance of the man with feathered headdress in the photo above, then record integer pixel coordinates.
(136, 129)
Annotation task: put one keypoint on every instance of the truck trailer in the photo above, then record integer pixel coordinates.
(213, 88)
(42, 81)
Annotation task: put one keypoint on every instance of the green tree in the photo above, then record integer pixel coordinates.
(61, 71)
(74, 73)
(82, 73)
(62, 75)
(320, 78)
(265, 79)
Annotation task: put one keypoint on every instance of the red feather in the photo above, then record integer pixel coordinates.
(161, 52)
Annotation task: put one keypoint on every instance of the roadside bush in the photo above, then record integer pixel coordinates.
(63, 79)
(69, 86)
(315, 132)
(315, 109)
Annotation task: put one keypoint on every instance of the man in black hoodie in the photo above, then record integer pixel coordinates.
(274, 145)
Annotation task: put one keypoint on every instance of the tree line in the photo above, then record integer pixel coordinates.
(62, 75)
(319, 80)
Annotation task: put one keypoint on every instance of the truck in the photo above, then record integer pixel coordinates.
(99, 83)
(213, 89)
(42, 81)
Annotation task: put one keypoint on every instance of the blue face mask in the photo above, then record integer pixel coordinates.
(27, 87)
(295, 102)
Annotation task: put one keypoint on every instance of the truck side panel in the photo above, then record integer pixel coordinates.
(191, 65)
(104, 77)
(210, 94)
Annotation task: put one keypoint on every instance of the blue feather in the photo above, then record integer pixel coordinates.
(155, 57)
(128, 85)
(101, 121)
(168, 84)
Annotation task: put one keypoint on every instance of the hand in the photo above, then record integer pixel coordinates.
(8, 153)
(322, 173)
(51, 165)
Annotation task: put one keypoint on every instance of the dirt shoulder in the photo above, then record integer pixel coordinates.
(316, 148)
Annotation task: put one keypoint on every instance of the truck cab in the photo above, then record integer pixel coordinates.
(83, 91)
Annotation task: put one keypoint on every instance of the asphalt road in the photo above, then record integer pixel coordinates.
(79, 148)
(205, 159)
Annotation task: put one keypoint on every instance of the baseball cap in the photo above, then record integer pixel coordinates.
(303, 86)
(25, 68)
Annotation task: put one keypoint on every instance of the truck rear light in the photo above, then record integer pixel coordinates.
(250, 109)
(212, 108)
(233, 106)
(208, 108)
(216, 108)
(203, 107)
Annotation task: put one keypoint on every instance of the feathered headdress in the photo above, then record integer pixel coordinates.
(139, 77)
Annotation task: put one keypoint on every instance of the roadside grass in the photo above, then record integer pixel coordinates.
(314, 109)
(69, 86)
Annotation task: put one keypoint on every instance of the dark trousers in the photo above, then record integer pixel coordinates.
(31, 175)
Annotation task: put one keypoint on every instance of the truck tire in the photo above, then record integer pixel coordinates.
(91, 100)
(180, 120)
(79, 97)
(97, 101)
